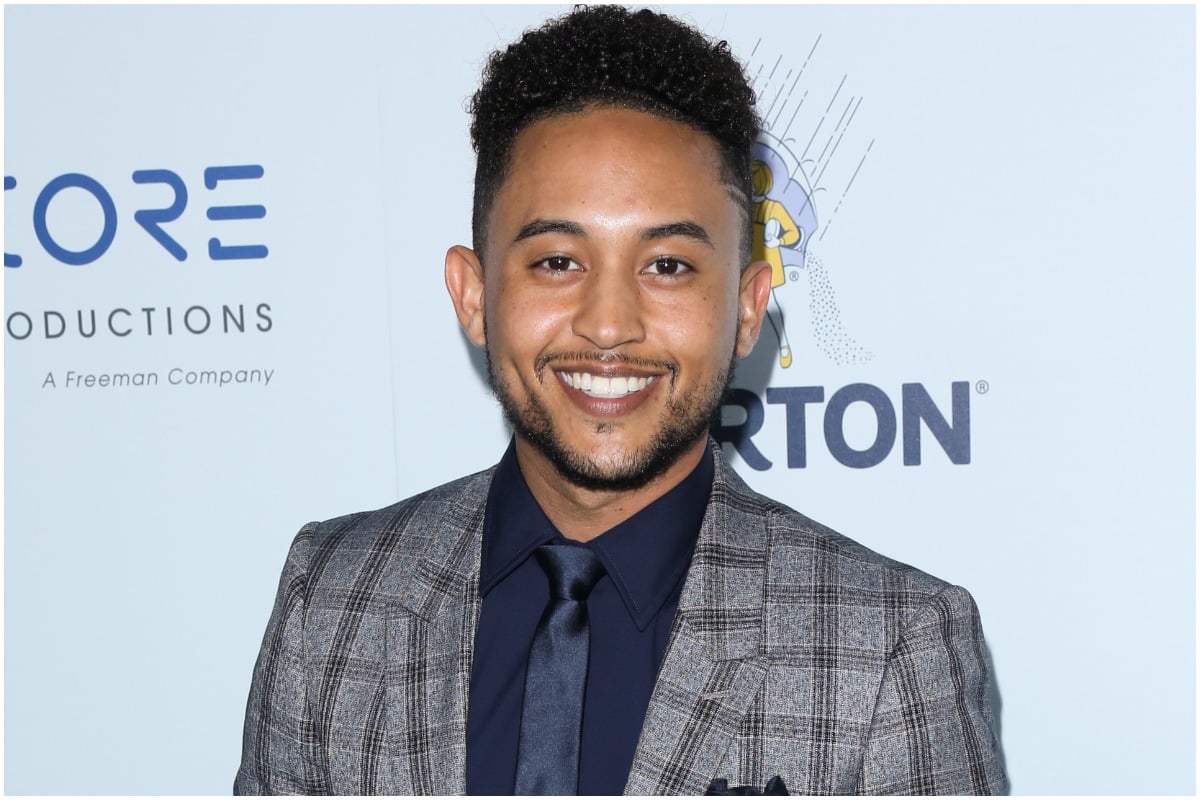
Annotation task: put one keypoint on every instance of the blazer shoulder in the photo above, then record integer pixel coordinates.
(802, 551)
(403, 531)
(791, 529)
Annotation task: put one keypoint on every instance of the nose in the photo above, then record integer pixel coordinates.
(609, 313)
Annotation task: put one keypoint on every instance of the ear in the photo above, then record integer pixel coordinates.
(752, 305)
(464, 280)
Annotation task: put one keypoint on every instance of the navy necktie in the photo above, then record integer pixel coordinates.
(552, 714)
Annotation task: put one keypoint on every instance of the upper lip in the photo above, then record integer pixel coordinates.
(617, 370)
(606, 365)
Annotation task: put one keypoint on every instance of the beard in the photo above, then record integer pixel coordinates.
(686, 418)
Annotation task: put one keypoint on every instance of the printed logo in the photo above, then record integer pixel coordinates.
(75, 219)
(59, 237)
(793, 187)
(150, 219)
(809, 138)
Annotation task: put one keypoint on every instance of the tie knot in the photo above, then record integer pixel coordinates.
(572, 571)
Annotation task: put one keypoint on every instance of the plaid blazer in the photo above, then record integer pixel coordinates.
(795, 652)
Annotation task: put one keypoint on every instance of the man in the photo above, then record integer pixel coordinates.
(610, 608)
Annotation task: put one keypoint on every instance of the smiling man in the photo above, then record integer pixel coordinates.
(610, 609)
(611, 275)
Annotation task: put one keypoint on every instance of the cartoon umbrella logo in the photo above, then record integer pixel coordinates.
(784, 219)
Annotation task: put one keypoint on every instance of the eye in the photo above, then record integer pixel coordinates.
(666, 265)
(558, 264)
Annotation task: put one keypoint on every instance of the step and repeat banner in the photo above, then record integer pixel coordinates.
(224, 316)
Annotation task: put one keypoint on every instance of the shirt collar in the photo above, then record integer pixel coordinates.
(646, 556)
(513, 523)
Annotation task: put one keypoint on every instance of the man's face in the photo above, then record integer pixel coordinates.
(613, 300)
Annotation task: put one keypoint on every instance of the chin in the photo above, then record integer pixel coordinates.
(612, 473)
(607, 466)
(593, 459)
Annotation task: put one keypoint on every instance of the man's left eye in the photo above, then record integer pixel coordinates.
(667, 266)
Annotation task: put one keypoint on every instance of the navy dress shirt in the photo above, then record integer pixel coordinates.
(630, 613)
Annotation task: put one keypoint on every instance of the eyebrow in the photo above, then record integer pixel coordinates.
(541, 226)
(684, 228)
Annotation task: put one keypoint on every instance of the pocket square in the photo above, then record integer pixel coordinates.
(721, 787)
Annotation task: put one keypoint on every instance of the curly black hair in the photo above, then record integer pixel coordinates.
(611, 56)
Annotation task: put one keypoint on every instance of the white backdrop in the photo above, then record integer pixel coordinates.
(1000, 197)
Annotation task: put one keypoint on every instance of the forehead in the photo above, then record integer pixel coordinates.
(611, 161)
(597, 125)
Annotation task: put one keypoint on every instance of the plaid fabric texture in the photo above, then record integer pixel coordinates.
(795, 652)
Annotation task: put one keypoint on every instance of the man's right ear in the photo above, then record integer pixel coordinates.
(464, 280)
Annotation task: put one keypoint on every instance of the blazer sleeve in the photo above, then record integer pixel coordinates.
(933, 730)
(275, 759)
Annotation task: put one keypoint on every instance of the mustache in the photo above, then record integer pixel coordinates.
(605, 357)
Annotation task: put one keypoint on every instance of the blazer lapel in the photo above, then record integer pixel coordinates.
(430, 646)
(714, 665)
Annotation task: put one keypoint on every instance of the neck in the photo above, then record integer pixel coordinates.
(583, 514)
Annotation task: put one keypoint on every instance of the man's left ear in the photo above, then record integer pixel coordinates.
(752, 305)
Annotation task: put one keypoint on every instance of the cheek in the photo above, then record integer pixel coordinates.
(703, 324)
(522, 321)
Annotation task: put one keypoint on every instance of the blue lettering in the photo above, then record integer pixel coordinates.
(885, 416)
(222, 252)
(954, 437)
(10, 260)
(917, 406)
(237, 212)
(795, 398)
(739, 435)
(90, 185)
(151, 218)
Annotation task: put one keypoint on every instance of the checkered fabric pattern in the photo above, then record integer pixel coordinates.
(795, 652)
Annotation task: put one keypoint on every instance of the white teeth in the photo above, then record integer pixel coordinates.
(605, 387)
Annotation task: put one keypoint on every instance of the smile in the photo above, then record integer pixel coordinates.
(605, 387)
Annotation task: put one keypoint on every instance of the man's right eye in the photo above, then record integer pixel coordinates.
(558, 264)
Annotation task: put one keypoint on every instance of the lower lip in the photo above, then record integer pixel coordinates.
(608, 406)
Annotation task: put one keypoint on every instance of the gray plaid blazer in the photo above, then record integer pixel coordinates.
(795, 652)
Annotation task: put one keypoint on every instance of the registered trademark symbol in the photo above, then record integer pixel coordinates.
(982, 387)
(794, 275)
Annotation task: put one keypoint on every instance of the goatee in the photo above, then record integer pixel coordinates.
(686, 419)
